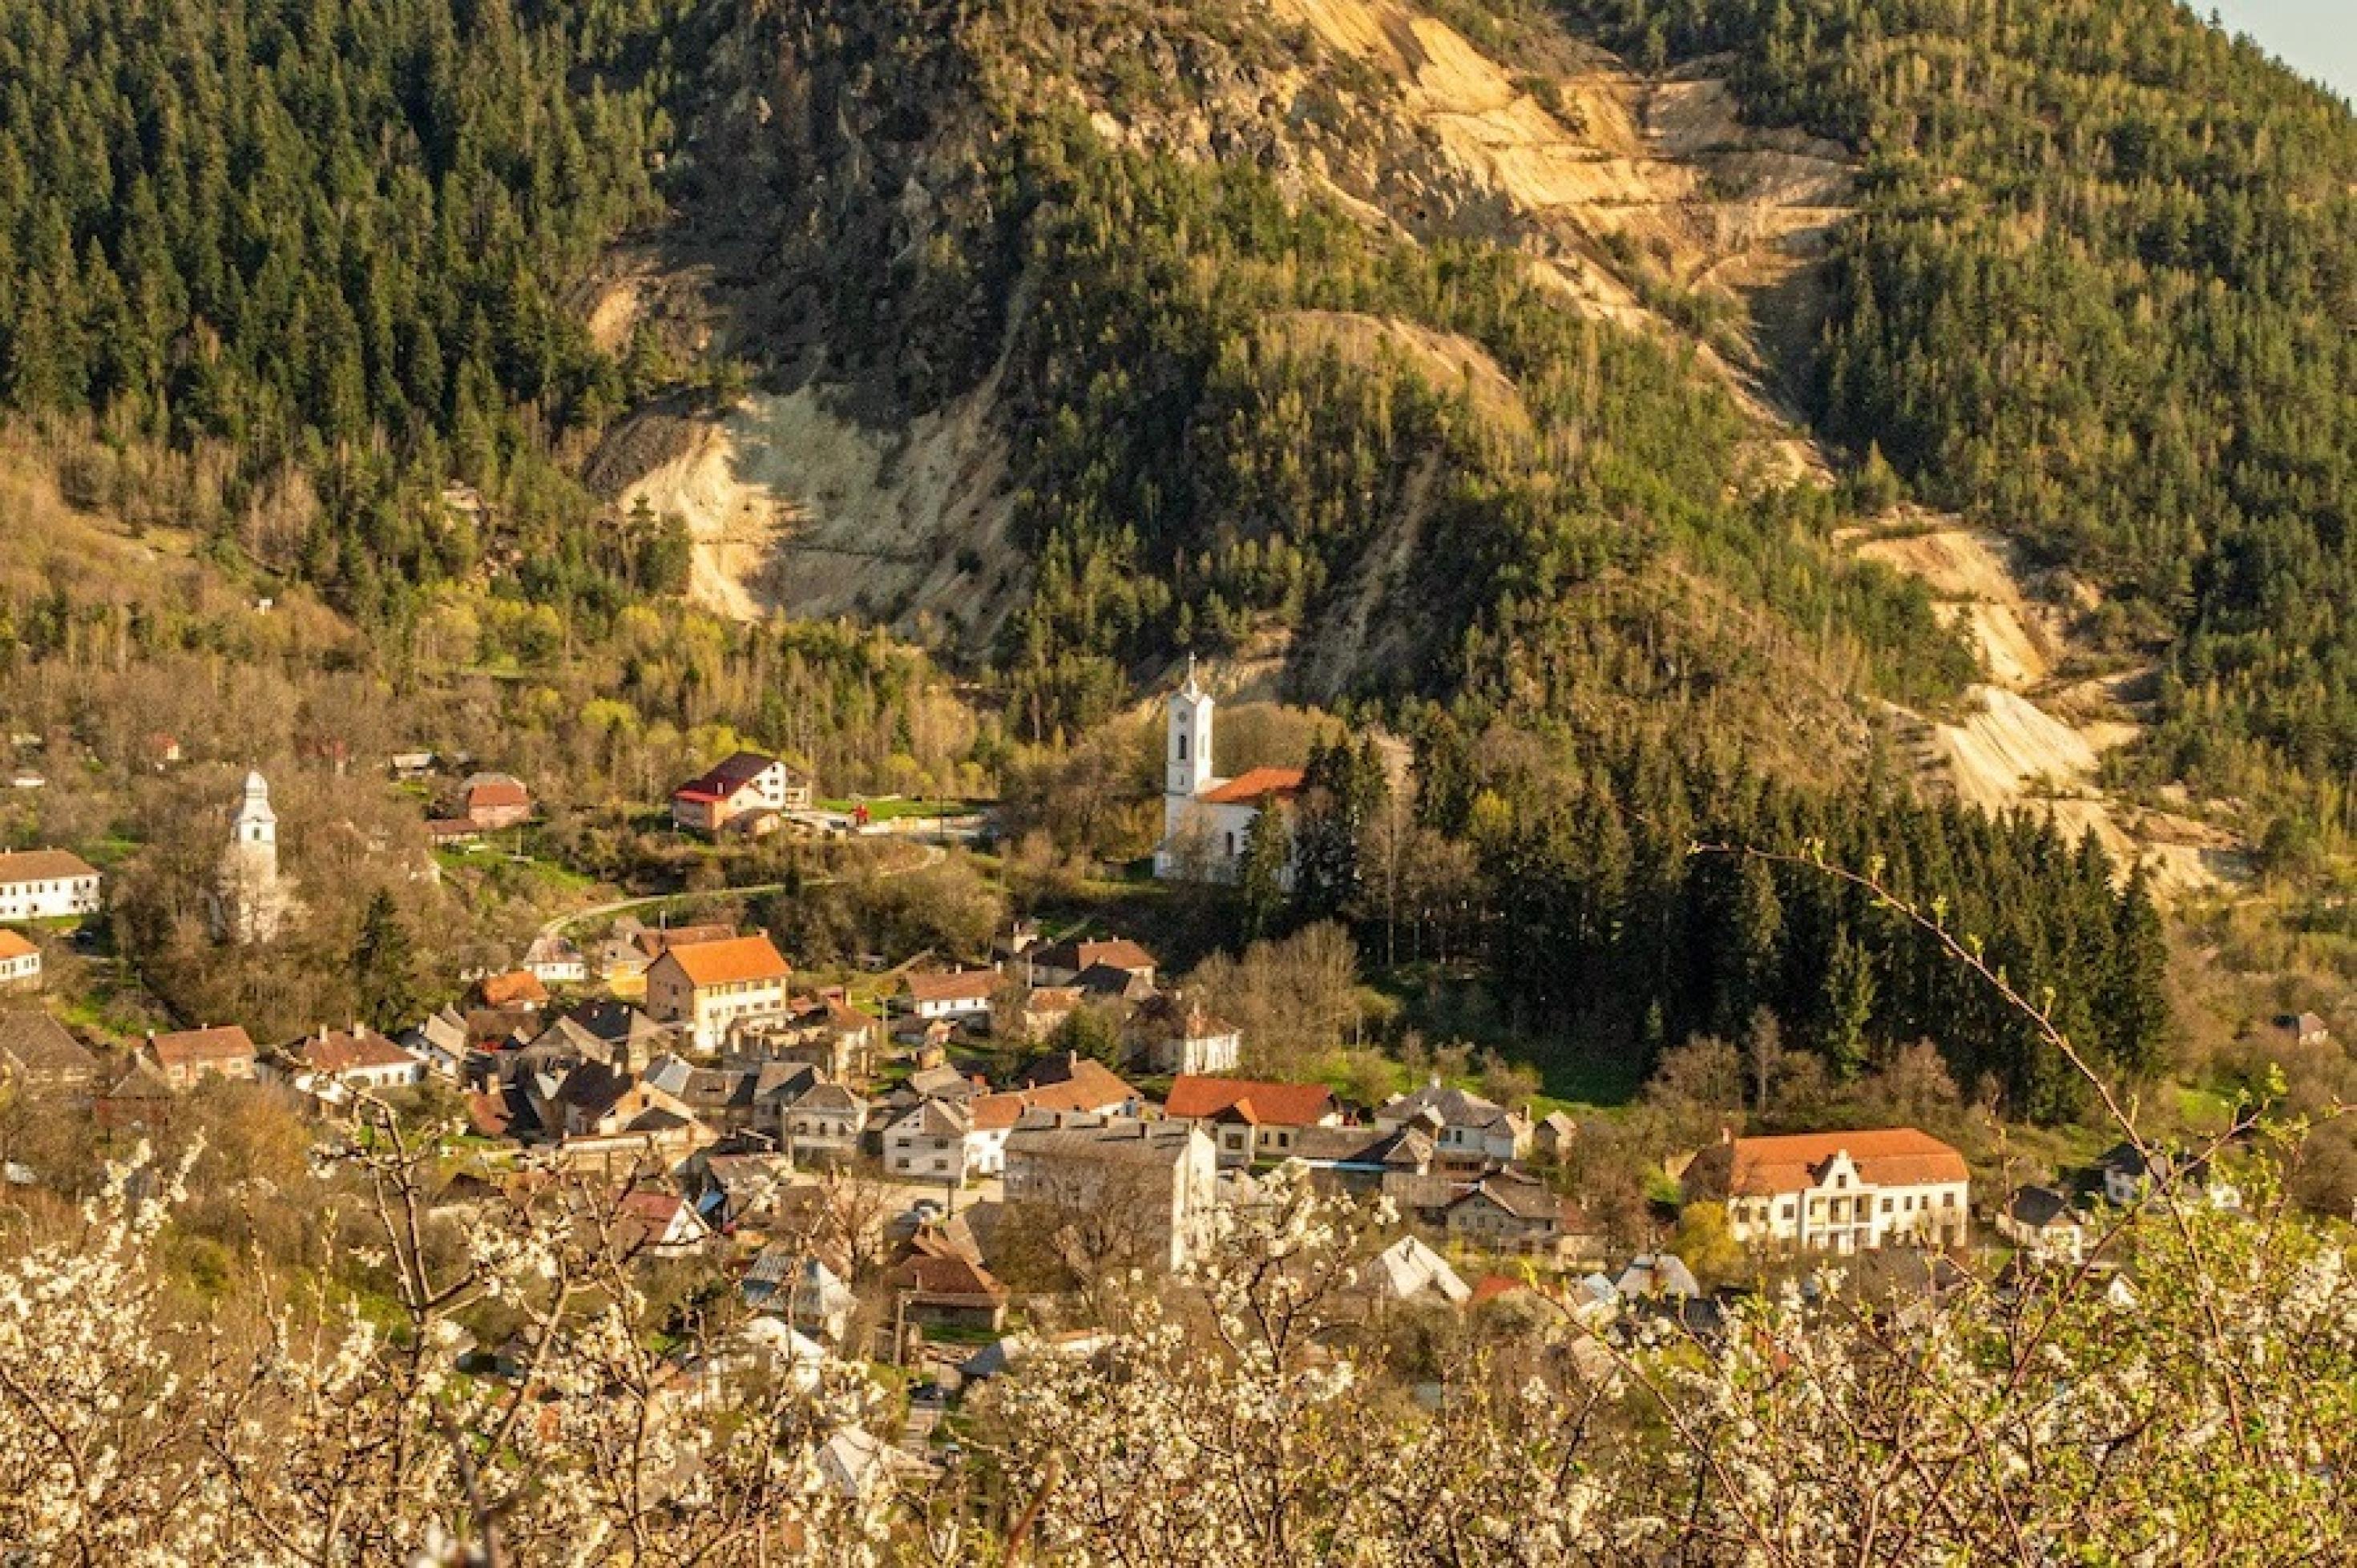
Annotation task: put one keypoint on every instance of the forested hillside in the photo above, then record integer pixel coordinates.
(1272, 367)
(336, 237)
(2101, 291)
(1220, 427)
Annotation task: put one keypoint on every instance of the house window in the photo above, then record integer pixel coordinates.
(1788, 1208)
(1231, 846)
(1885, 1206)
(1947, 1200)
(1183, 746)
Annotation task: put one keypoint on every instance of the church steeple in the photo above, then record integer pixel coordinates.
(251, 902)
(256, 823)
(1186, 761)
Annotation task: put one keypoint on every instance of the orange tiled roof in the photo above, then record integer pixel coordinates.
(189, 1047)
(1264, 1104)
(1885, 1157)
(340, 1051)
(726, 962)
(956, 986)
(1092, 1086)
(14, 946)
(515, 986)
(996, 1112)
(1256, 785)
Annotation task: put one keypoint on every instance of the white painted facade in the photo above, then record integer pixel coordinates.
(1842, 1211)
(46, 885)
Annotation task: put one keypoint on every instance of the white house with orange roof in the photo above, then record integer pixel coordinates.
(708, 988)
(1207, 821)
(1836, 1192)
(20, 963)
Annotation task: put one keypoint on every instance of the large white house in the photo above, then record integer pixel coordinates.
(1836, 1192)
(1207, 819)
(46, 884)
(709, 989)
(742, 792)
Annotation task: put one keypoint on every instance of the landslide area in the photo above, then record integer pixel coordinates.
(876, 470)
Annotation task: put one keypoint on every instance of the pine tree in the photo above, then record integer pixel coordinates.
(2135, 1018)
(385, 966)
(1261, 879)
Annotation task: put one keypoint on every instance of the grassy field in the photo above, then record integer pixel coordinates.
(894, 807)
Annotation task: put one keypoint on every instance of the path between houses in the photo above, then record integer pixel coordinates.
(928, 854)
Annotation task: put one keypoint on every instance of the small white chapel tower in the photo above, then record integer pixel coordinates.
(1189, 766)
(251, 902)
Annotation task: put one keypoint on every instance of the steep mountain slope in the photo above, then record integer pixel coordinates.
(1117, 327)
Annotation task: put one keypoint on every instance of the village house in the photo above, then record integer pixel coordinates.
(745, 793)
(1552, 1137)
(46, 885)
(2041, 1221)
(1361, 1160)
(1107, 986)
(1837, 1192)
(1465, 1127)
(708, 988)
(819, 1119)
(2304, 1028)
(2132, 1175)
(741, 1189)
(1070, 1081)
(514, 988)
(1162, 1177)
(663, 1224)
(1066, 962)
(1508, 1211)
(1251, 1122)
(953, 995)
(39, 1056)
(825, 1031)
(1207, 821)
(1033, 1014)
(335, 1064)
(441, 1041)
(799, 1286)
(138, 1101)
(726, 1099)
(494, 800)
(20, 963)
(1408, 1272)
(186, 1057)
(952, 1141)
(1172, 1033)
(556, 962)
(946, 1288)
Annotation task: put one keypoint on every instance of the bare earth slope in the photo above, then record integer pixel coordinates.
(2029, 739)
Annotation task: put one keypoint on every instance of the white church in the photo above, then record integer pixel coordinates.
(1207, 819)
(252, 902)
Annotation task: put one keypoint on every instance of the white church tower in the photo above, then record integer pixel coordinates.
(1188, 768)
(251, 902)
